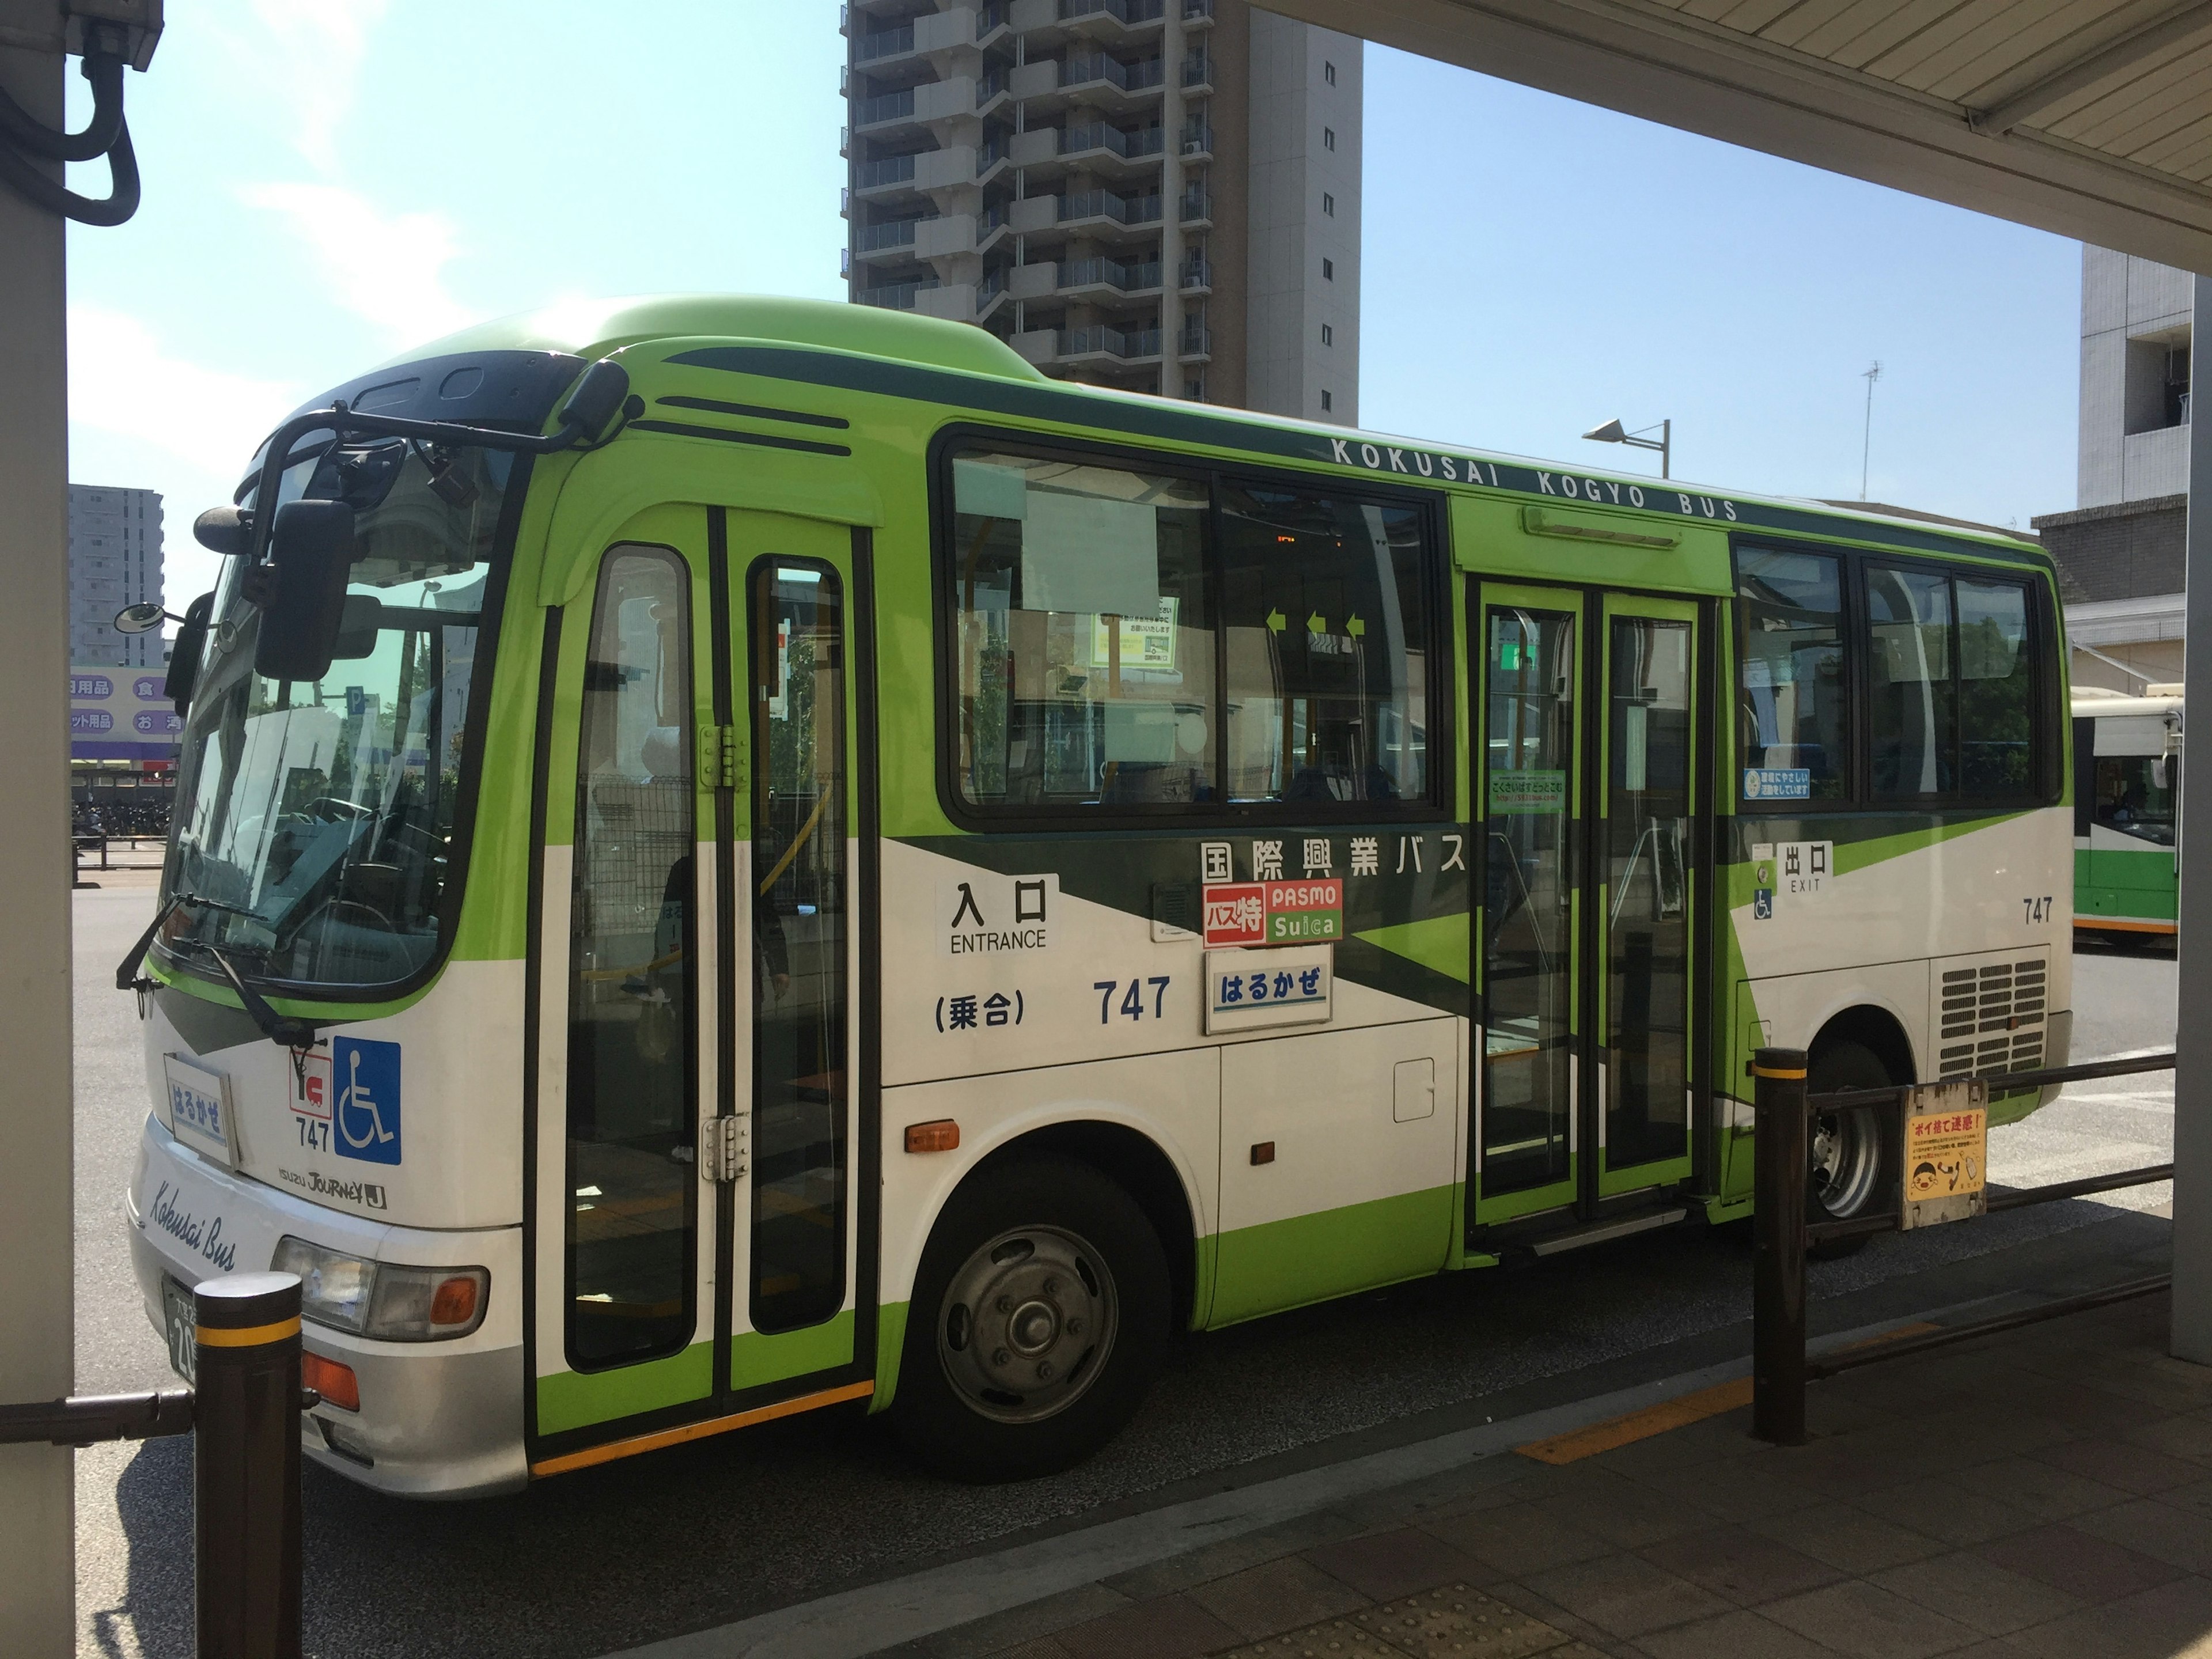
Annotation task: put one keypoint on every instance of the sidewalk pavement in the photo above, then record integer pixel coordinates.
(2045, 1492)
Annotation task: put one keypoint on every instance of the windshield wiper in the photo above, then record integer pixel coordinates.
(279, 1029)
(282, 1030)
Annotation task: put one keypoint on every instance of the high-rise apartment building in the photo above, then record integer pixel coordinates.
(115, 559)
(2119, 552)
(1158, 195)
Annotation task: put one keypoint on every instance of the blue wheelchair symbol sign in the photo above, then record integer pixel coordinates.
(365, 1080)
(1762, 904)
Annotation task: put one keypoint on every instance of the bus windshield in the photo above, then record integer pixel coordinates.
(314, 821)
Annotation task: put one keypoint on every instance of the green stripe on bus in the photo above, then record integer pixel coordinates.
(1279, 1265)
(575, 1400)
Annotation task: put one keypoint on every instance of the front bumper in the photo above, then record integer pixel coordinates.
(437, 1420)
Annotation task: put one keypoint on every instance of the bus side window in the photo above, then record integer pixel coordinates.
(1790, 683)
(1997, 689)
(1327, 634)
(1084, 645)
(1913, 700)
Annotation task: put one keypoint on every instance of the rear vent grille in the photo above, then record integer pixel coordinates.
(1991, 1017)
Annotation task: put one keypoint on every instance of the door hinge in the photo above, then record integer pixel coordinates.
(718, 758)
(722, 1148)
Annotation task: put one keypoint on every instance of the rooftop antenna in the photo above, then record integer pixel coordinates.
(1866, 444)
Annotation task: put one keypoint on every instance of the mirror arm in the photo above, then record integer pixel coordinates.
(345, 421)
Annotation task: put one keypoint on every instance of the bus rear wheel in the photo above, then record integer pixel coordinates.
(1038, 1318)
(1853, 1169)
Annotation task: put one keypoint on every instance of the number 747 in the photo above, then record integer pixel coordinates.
(1132, 1005)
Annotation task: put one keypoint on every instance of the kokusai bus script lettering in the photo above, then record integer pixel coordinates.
(1528, 792)
(1302, 912)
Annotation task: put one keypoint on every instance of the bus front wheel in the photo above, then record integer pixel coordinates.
(1853, 1172)
(1038, 1318)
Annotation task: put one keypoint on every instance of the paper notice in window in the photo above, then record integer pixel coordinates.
(1085, 553)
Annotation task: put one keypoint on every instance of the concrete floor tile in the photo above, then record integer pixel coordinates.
(1516, 1540)
(2170, 1621)
(1743, 1566)
(1978, 1592)
(1866, 1621)
(2149, 1526)
(1629, 1517)
(1390, 1563)
(2090, 1568)
(1944, 1511)
(1045, 1647)
(1847, 1538)
(1230, 1555)
(1738, 1635)
(2042, 1489)
(2188, 1435)
(1165, 1627)
(1624, 1596)
(2122, 1463)
(998, 1631)
(1266, 1601)
(1339, 1638)
(1735, 1489)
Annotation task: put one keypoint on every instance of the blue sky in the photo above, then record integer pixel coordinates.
(327, 185)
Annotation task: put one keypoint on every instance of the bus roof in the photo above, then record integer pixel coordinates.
(593, 328)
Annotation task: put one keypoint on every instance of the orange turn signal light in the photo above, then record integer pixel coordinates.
(337, 1383)
(941, 1136)
(454, 1302)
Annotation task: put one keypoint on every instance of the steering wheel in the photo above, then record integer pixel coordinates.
(328, 906)
(332, 808)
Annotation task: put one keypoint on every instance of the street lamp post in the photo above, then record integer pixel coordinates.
(1612, 433)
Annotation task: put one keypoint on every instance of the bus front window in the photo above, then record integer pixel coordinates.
(315, 820)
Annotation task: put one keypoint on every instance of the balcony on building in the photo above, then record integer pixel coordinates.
(1196, 275)
(1106, 80)
(884, 46)
(888, 176)
(1112, 20)
(1195, 210)
(1198, 14)
(1105, 148)
(1099, 345)
(897, 296)
(884, 110)
(1195, 343)
(1101, 278)
(1195, 142)
(887, 242)
(1102, 213)
(1198, 70)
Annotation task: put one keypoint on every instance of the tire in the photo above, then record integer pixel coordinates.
(1854, 1163)
(1039, 1315)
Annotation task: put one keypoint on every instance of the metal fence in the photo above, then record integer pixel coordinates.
(243, 1410)
(1946, 1184)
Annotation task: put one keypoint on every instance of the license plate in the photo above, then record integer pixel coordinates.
(179, 1324)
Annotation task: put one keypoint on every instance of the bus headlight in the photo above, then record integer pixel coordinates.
(383, 1299)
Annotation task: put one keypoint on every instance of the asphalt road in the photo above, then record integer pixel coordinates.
(601, 1560)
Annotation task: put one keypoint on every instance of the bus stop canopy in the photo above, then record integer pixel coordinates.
(2087, 117)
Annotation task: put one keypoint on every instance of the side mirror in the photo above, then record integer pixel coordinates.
(184, 655)
(600, 392)
(142, 618)
(303, 594)
(224, 530)
(357, 629)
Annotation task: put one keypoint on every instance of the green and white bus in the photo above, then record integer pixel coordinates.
(2127, 812)
(734, 855)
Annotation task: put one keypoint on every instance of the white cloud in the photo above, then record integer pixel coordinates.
(311, 53)
(387, 268)
(121, 381)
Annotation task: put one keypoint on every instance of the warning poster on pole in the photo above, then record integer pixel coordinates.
(1947, 1154)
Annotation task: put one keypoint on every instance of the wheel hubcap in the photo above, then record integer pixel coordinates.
(1027, 1324)
(1846, 1161)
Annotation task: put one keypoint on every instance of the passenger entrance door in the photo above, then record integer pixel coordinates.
(694, 1250)
(1585, 945)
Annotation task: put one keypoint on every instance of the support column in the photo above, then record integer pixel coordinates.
(2192, 1077)
(37, 1545)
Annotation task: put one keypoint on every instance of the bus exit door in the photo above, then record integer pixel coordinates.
(1591, 733)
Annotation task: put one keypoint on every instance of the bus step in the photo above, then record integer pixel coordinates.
(1605, 1231)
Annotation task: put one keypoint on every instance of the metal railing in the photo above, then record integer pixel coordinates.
(992, 285)
(1114, 273)
(884, 106)
(1083, 66)
(1197, 69)
(1097, 135)
(889, 43)
(1197, 138)
(1196, 272)
(1123, 209)
(990, 18)
(894, 170)
(1193, 9)
(1131, 12)
(1782, 1142)
(243, 1412)
(897, 296)
(1113, 342)
(1197, 341)
(872, 239)
(992, 154)
(1196, 204)
(993, 84)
